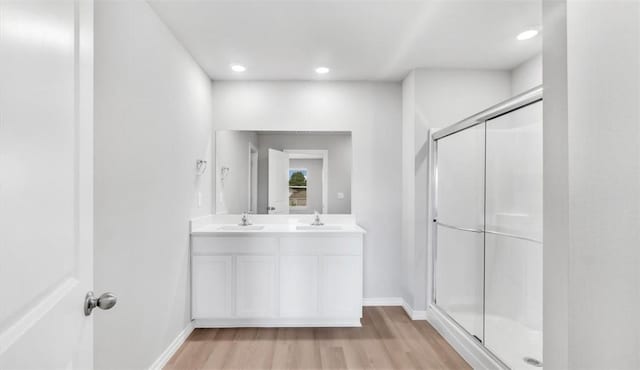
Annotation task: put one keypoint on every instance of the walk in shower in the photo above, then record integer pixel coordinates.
(487, 245)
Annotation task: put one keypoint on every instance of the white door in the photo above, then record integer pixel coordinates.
(46, 215)
(278, 182)
(253, 179)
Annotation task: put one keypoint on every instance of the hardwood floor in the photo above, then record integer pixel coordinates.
(388, 339)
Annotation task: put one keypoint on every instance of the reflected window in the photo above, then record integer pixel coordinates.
(298, 187)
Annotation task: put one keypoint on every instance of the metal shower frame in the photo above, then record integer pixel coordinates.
(528, 97)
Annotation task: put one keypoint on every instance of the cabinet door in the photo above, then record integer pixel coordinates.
(256, 286)
(211, 291)
(299, 286)
(341, 286)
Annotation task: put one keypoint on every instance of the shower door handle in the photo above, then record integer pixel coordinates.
(458, 228)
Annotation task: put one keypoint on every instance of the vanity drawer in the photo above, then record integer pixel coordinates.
(321, 245)
(233, 245)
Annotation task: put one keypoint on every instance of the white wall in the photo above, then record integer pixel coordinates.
(591, 184)
(373, 112)
(152, 122)
(527, 75)
(434, 98)
(407, 277)
(555, 260)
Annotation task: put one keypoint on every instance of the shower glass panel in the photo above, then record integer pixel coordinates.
(513, 244)
(513, 316)
(460, 276)
(514, 172)
(460, 216)
(461, 179)
(487, 255)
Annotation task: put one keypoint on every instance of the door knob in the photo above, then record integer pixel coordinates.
(270, 208)
(104, 302)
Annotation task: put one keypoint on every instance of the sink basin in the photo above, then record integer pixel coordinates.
(241, 228)
(319, 227)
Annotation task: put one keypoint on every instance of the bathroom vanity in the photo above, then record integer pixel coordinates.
(280, 271)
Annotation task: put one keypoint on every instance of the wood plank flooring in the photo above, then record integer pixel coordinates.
(388, 339)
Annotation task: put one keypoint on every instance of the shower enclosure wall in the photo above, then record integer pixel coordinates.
(487, 252)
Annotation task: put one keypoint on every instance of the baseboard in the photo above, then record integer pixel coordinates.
(470, 349)
(414, 314)
(277, 323)
(166, 355)
(396, 301)
(383, 301)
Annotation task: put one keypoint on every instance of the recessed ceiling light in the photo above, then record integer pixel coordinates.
(238, 68)
(528, 34)
(322, 70)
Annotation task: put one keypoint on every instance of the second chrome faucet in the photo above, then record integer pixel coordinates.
(316, 219)
(244, 221)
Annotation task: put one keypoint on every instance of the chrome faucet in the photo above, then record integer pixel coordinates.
(244, 221)
(316, 219)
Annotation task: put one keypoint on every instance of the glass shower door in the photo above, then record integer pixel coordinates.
(513, 244)
(459, 254)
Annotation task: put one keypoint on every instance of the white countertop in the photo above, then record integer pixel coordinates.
(272, 229)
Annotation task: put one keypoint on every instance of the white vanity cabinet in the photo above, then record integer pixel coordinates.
(297, 279)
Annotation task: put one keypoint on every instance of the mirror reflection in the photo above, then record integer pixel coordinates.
(283, 172)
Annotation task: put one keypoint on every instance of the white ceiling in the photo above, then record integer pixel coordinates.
(357, 39)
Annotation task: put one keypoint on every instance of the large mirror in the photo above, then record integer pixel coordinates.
(283, 172)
